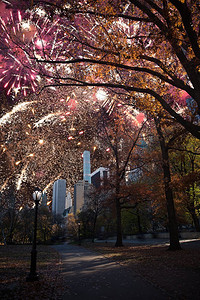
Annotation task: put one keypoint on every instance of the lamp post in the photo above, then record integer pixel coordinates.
(79, 233)
(33, 276)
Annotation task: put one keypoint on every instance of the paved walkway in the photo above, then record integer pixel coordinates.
(91, 276)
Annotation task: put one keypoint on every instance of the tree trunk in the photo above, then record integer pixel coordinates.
(139, 221)
(11, 228)
(94, 227)
(119, 242)
(191, 209)
(196, 221)
(4, 237)
(173, 228)
(172, 222)
(193, 212)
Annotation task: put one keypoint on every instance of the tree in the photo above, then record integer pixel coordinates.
(33, 133)
(122, 144)
(136, 220)
(93, 207)
(9, 215)
(172, 221)
(185, 165)
(25, 228)
(147, 51)
(72, 226)
(136, 46)
(45, 224)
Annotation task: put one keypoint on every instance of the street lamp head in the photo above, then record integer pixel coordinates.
(37, 194)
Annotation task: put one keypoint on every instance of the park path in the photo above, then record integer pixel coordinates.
(91, 276)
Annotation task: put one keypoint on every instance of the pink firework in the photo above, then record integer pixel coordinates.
(17, 72)
(26, 39)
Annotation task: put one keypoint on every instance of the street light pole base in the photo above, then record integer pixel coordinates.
(32, 277)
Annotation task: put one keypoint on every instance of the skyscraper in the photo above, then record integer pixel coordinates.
(99, 177)
(68, 201)
(44, 199)
(59, 195)
(86, 166)
(81, 189)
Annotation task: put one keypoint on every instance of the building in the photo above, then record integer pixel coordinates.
(134, 175)
(83, 187)
(86, 166)
(68, 205)
(68, 201)
(59, 197)
(44, 199)
(99, 177)
(81, 190)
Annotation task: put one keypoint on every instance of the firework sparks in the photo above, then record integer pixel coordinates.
(18, 68)
(17, 108)
(51, 182)
(4, 184)
(21, 177)
(26, 37)
(47, 119)
(41, 142)
(7, 2)
(101, 95)
(47, 136)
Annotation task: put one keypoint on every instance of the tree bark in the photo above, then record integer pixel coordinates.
(191, 209)
(94, 227)
(196, 221)
(119, 242)
(172, 222)
(139, 221)
(192, 203)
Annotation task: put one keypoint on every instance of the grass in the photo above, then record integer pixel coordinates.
(176, 272)
(15, 266)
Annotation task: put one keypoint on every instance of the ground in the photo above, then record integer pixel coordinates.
(176, 272)
(15, 266)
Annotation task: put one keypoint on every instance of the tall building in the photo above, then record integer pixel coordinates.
(134, 175)
(68, 201)
(86, 166)
(81, 189)
(68, 205)
(44, 199)
(59, 197)
(99, 177)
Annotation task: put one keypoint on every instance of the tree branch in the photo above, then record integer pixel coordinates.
(192, 128)
(175, 81)
(184, 150)
(187, 22)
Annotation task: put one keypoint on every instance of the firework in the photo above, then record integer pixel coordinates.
(17, 108)
(50, 143)
(101, 94)
(17, 70)
(27, 38)
(5, 184)
(47, 119)
(51, 182)
(22, 177)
